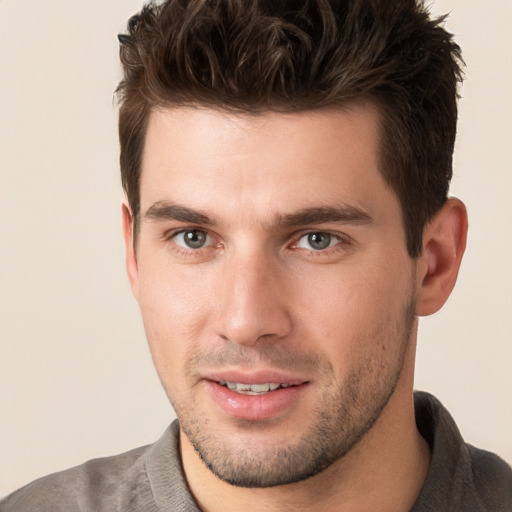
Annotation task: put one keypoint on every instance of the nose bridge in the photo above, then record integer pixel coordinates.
(253, 300)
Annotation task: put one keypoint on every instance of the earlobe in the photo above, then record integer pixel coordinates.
(444, 242)
(131, 256)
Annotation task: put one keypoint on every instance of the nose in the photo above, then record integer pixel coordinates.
(252, 301)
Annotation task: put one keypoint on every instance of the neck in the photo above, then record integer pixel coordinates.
(385, 471)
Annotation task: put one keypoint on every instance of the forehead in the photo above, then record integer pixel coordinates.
(269, 162)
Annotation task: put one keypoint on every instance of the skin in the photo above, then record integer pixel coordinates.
(256, 298)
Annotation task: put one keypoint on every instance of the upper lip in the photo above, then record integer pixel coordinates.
(254, 377)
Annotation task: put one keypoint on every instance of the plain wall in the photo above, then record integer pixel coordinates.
(76, 379)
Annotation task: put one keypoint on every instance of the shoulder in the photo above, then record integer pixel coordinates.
(492, 480)
(461, 477)
(117, 483)
(78, 488)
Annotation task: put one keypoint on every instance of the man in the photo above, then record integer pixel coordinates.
(286, 167)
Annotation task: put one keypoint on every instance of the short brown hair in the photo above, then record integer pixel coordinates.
(295, 55)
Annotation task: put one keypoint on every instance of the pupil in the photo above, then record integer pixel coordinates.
(195, 238)
(319, 241)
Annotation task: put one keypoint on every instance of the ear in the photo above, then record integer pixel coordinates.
(444, 242)
(131, 256)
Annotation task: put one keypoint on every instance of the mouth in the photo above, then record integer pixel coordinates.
(254, 389)
(256, 397)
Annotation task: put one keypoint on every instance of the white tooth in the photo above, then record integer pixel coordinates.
(222, 382)
(253, 389)
(260, 388)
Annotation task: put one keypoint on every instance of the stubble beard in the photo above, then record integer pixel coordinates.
(342, 420)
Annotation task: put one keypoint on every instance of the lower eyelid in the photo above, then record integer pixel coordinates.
(334, 238)
(207, 243)
(342, 244)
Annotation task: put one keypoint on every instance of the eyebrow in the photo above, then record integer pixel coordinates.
(343, 214)
(163, 210)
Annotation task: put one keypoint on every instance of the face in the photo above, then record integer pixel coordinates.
(274, 282)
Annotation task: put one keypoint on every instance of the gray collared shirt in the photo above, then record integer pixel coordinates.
(461, 478)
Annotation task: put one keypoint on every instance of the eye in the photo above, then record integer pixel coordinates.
(191, 239)
(317, 241)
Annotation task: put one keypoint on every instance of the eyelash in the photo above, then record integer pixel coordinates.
(342, 244)
(183, 251)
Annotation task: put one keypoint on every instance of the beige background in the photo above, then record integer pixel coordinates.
(76, 380)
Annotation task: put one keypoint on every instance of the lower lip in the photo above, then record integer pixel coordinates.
(255, 407)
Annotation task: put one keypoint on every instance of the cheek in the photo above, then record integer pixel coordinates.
(174, 309)
(347, 296)
(356, 314)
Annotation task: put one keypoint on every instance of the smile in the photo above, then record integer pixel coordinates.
(258, 397)
(253, 389)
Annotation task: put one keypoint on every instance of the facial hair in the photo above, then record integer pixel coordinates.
(344, 413)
